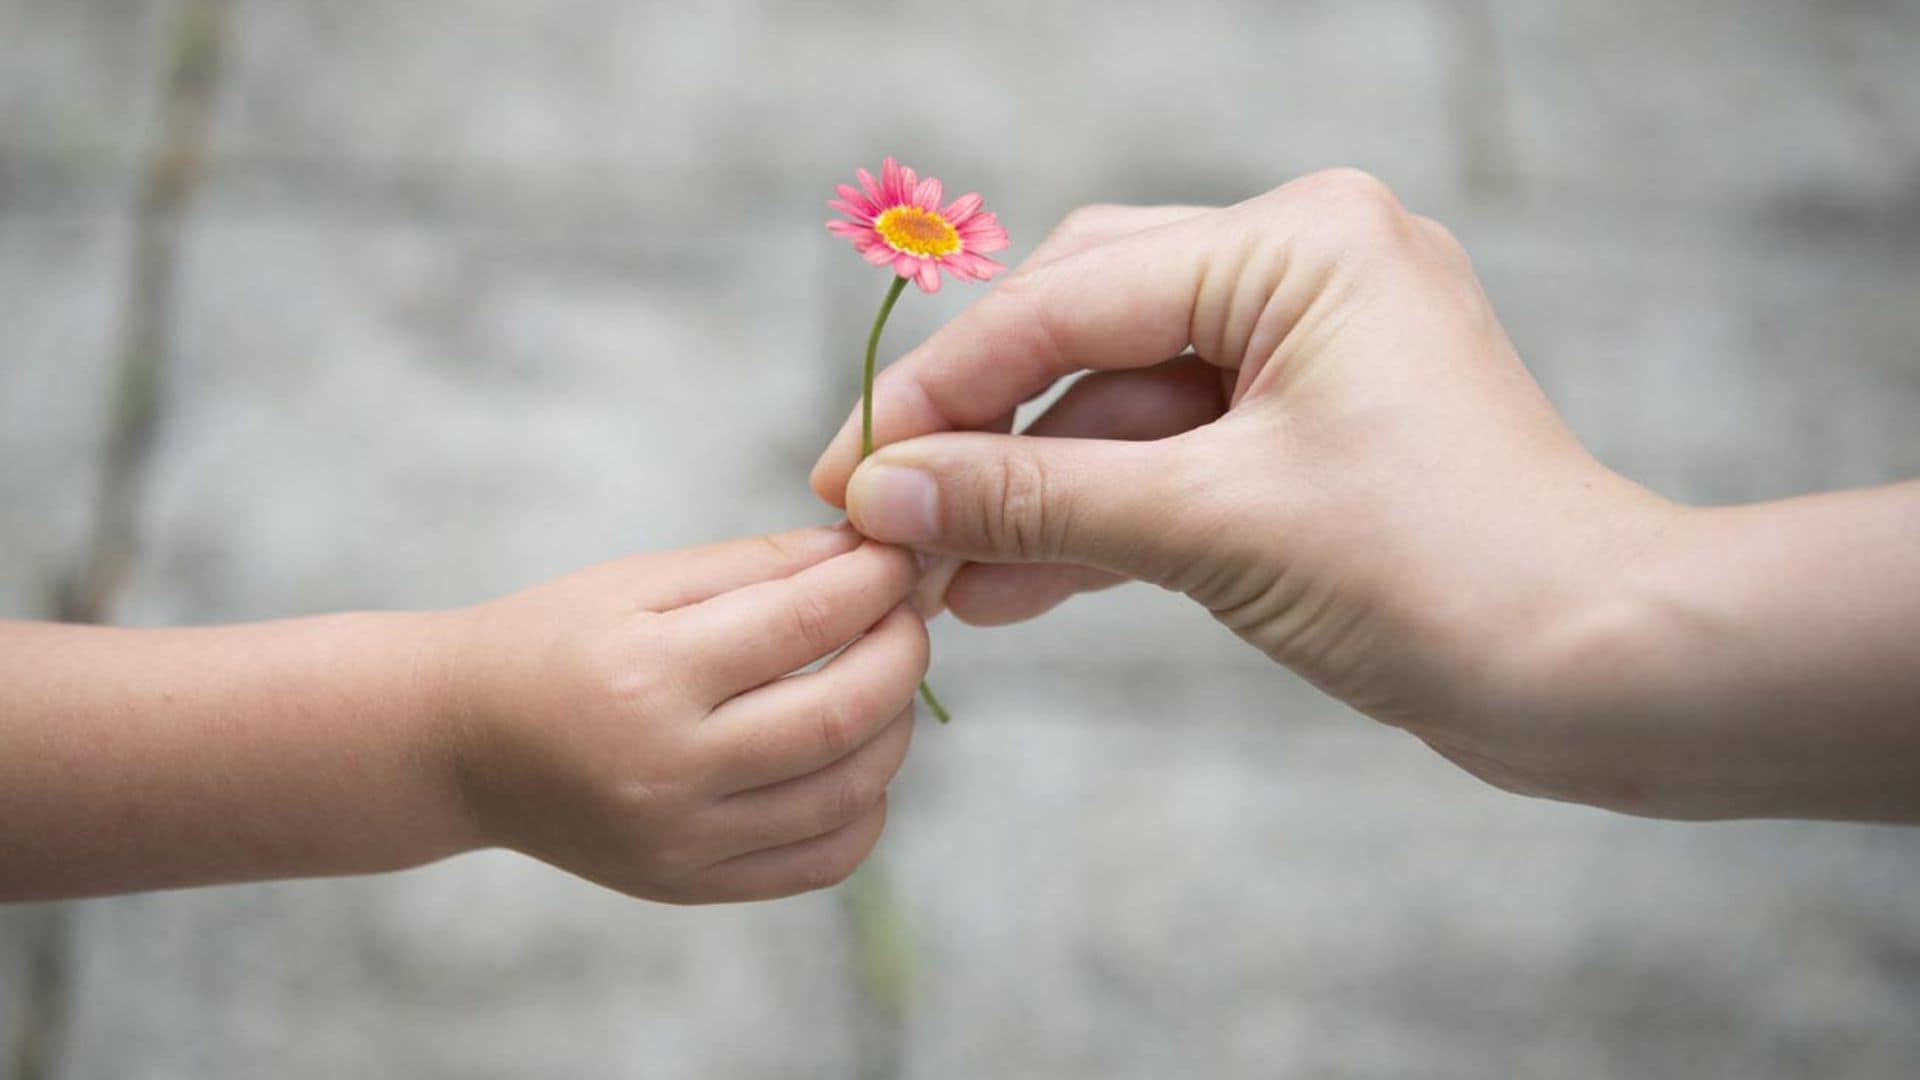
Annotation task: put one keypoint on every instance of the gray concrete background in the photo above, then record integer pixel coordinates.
(444, 297)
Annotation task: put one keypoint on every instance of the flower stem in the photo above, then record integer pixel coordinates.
(939, 711)
(873, 346)
(866, 434)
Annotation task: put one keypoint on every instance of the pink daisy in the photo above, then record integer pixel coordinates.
(899, 222)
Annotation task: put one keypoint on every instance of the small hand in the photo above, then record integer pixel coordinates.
(637, 724)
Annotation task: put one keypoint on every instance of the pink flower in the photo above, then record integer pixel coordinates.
(899, 222)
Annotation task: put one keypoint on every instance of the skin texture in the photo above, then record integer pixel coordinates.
(1304, 414)
(636, 723)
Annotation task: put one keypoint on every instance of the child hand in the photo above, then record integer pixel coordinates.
(630, 723)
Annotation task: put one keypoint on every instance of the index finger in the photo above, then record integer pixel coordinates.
(1125, 304)
(753, 635)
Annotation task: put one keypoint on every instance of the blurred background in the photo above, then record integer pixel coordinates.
(401, 303)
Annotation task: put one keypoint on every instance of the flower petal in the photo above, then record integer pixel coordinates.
(977, 267)
(985, 219)
(929, 277)
(878, 254)
(962, 208)
(927, 195)
(906, 265)
(987, 245)
(867, 182)
(889, 183)
(982, 234)
(854, 197)
(851, 210)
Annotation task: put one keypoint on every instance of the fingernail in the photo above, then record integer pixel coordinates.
(894, 504)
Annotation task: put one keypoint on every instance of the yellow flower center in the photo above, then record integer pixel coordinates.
(917, 232)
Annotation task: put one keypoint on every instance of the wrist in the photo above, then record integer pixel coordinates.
(1754, 662)
(443, 647)
(1591, 706)
(1669, 692)
(1586, 593)
(1598, 643)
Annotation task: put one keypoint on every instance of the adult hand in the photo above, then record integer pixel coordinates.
(1304, 414)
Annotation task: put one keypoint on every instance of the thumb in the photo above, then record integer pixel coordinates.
(1018, 498)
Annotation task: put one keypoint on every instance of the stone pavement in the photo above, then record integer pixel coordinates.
(465, 294)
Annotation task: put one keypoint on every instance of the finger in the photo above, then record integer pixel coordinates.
(986, 594)
(1017, 498)
(930, 596)
(1152, 403)
(802, 724)
(690, 576)
(1091, 226)
(817, 863)
(811, 805)
(753, 635)
(1121, 303)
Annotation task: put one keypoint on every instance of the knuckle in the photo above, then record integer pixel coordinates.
(813, 621)
(642, 799)
(1082, 220)
(639, 675)
(657, 805)
(1353, 186)
(1359, 205)
(1437, 232)
(1016, 520)
(1443, 245)
(842, 854)
(641, 691)
(839, 723)
(782, 548)
(1018, 298)
(856, 795)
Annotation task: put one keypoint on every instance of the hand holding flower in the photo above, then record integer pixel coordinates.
(1303, 413)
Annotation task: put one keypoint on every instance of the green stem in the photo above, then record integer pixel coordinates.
(873, 346)
(866, 433)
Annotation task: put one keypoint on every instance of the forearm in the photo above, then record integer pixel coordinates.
(140, 759)
(1785, 637)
